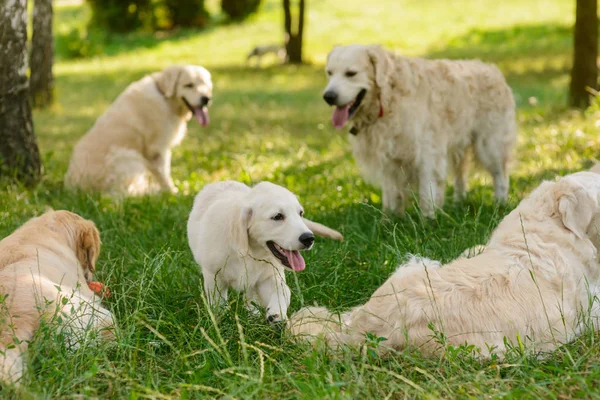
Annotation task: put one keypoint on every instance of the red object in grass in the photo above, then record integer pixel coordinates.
(100, 289)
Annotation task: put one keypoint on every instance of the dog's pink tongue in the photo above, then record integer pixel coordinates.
(295, 259)
(201, 115)
(340, 116)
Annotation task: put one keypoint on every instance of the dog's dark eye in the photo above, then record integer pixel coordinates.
(301, 213)
(189, 85)
(350, 74)
(329, 73)
(278, 217)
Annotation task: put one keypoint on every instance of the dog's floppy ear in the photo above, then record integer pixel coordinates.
(386, 74)
(87, 241)
(575, 207)
(383, 67)
(167, 80)
(239, 232)
(83, 235)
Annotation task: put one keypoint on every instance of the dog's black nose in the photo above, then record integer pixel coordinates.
(307, 239)
(204, 100)
(330, 97)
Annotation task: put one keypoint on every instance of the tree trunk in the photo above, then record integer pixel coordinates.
(293, 43)
(41, 82)
(584, 75)
(19, 154)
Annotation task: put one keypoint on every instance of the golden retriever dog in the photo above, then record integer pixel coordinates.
(245, 238)
(128, 150)
(45, 268)
(412, 119)
(534, 283)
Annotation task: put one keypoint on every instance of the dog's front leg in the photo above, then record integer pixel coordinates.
(160, 165)
(215, 291)
(428, 190)
(394, 193)
(81, 315)
(275, 296)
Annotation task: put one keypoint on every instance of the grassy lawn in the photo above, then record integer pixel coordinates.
(271, 124)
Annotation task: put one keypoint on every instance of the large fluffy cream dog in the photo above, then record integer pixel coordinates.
(412, 119)
(535, 282)
(244, 238)
(128, 150)
(45, 268)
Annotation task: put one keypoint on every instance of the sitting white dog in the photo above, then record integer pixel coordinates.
(244, 238)
(537, 281)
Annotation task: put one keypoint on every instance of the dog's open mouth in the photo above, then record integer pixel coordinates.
(200, 113)
(342, 114)
(291, 259)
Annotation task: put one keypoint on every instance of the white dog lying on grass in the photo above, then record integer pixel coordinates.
(535, 281)
(245, 238)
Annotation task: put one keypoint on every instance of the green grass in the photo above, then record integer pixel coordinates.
(271, 124)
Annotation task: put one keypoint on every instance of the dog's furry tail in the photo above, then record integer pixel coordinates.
(323, 231)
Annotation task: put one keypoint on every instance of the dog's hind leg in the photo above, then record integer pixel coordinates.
(128, 173)
(160, 165)
(496, 164)
(14, 341)
(493, 149)
(12, 362)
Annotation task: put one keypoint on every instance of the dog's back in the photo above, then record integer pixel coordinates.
(211, 193)
(208, 223)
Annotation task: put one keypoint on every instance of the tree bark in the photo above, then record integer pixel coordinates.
(19, 154)
(293, 43)
(41, 81)
(584, 75)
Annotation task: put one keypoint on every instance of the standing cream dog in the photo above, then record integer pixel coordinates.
(413, 118)
(45, 268)
(244, 238)
(128, 150)
(537, 281)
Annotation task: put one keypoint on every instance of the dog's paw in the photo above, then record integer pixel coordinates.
(274, 319)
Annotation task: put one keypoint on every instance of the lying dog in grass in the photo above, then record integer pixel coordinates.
(245, 238)
(45, 268)
(128, 150)
(534, 282)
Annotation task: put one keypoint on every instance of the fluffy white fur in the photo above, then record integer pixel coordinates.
(45, 267)
(128, 150)
(420, 117)
(534, 281)
(228, 231)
